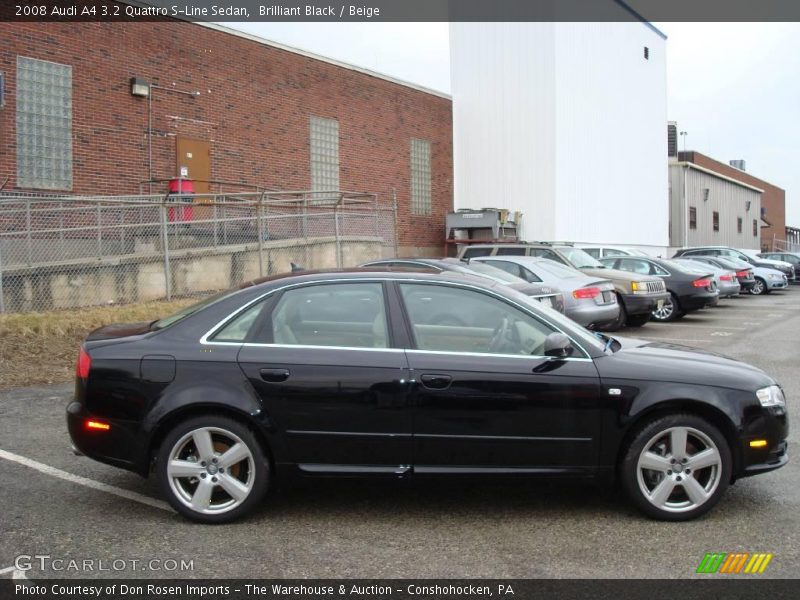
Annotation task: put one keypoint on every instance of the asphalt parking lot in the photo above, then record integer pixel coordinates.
(71, 508)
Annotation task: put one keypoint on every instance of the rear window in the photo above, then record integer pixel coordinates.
(473, 252)
(190, 310)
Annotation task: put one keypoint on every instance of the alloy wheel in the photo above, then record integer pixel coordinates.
(758, 288)
(211, 470)
(665, 312)
(679, 469)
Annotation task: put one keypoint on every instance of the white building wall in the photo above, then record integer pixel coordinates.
(504, 119)
(566, 123)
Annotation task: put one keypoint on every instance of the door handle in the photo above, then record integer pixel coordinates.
(436, 382)
(274, 375)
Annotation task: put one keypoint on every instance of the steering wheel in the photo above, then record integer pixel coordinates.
(500, 334)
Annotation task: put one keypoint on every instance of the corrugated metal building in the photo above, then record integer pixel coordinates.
(719, 210)
(565, 123)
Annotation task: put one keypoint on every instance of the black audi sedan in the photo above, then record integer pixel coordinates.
(689, 289)
(341, 374)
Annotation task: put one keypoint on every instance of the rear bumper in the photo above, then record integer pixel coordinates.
(729, 289)
(698, 301)
(747, 284)
(642, 304)
(588, 314)
(120, 446)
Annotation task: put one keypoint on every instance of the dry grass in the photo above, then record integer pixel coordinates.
(41, 348)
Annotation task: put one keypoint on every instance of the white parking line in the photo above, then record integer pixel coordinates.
(84, 481)
(695, 325)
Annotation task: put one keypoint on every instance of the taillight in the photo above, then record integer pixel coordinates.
(701, 283)
(726, 277)
(587, 292)
(83, 365)
(744, 274)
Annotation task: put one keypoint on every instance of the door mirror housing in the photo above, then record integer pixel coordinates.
(558, 345)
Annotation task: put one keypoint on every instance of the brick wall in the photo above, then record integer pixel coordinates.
(254, 109)
(773, 199)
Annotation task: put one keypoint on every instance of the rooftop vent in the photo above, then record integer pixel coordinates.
(738, 164)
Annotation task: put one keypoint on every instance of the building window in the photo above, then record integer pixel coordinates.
(646, 53)
(755, 228)
(692, 217)
(716, 221)
(420, 177)
(739, 225)
(324, 154)
(44, 124)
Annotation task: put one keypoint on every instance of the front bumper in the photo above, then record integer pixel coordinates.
(770, 424)
(637, 304)
(777, 284)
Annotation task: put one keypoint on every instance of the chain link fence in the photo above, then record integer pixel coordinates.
(66, 252)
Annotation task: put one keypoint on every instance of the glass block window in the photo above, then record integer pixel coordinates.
(420, 177)
(44, 124)
(324, 154)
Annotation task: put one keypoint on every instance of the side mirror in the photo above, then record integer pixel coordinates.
(558, 345)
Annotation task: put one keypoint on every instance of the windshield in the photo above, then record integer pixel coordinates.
(579, 258)
(190, 310)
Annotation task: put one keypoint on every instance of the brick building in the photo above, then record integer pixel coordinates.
(265, 115)
(773, 198)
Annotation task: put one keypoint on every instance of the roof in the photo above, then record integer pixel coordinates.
(696, 167)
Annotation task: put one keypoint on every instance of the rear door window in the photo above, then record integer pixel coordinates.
(351, 315)
(512, 251)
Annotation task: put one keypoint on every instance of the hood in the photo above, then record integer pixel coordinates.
(681, 364)
(616, 274)
(772, 261)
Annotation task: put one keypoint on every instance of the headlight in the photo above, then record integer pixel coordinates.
(775, 276)
(771, 396)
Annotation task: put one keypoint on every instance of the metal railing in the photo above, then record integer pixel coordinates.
(70, 251)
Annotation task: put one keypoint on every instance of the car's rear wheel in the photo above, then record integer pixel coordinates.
(212, 469)
(669, 311)
(759, 287)
(676, 467)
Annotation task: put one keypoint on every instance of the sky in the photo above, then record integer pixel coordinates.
(733, 87)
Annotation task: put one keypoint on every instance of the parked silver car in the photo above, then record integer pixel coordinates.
(589, 301)
(727, 283)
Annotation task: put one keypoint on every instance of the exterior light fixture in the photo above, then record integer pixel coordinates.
(139, 87)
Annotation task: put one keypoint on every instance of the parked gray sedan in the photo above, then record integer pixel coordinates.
(727, 283)
(589, 301)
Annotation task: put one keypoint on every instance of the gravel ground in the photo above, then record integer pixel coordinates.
(415, 530)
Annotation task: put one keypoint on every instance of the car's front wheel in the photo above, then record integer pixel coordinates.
(759, 287)
(669, 311)
(676, 467)
(212, 469)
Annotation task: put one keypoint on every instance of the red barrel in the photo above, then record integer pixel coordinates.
(177, 188)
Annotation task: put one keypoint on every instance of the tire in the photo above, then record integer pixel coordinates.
(670, 311)
(198, 446)
(682, 484)
(759, 287)
(617, 323)
(638, 320)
